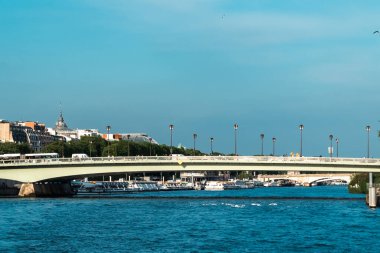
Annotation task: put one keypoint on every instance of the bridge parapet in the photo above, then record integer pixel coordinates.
(183, 159)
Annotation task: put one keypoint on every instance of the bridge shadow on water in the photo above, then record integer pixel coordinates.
(262, 193)
(214, 197)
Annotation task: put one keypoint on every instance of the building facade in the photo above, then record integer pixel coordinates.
(33, 133)
(38, 135)
(135, 137)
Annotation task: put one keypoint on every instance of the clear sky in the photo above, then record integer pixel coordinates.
(140, 65)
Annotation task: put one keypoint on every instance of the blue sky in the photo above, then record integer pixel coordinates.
(200, 65)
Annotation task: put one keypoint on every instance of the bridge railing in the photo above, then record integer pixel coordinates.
(212, 159)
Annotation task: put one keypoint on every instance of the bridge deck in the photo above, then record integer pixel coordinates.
(44, 169)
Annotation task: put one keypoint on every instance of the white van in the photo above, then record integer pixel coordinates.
(79, 156)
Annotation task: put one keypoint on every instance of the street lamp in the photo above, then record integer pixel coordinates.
(194, 137)
(337, 147)
(370, 183)
(171, 127)
(274, 141)
(236, 127)
(262, 144)
(211, 141)
(128, 137)
(108, 139)
(368, 129)
(90, 147)
(150, 146)
(301, 129)
(331, 147)
(62, 149)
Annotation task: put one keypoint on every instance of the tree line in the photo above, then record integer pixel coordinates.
(15, 148)
(97, 147)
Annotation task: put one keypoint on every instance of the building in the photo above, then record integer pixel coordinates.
(135, 137)
(138, 137)
(61, 129)
(87, 132)
(33, 133)
(9, 132)
(38, 135)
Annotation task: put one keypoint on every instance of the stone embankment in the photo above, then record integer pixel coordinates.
(46, 189)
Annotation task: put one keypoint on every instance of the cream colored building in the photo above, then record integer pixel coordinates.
(5, 132)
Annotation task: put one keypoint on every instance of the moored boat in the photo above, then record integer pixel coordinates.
(231, 186)
(214, 186)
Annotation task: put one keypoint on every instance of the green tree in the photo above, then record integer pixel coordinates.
(11, 147)
(82, 146)
(97, 144)
(59, 147)
(100, 147)
(360, 181)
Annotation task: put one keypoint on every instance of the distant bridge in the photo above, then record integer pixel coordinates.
(37, 170)
(307, 179)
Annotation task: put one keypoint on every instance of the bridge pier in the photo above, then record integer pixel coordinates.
(46, 189)
(372, 198)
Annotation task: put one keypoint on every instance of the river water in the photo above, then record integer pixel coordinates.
(316, 219)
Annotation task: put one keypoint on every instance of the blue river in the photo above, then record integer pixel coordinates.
(294, 219)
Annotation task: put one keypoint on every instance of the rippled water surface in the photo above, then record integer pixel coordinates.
(262, 219)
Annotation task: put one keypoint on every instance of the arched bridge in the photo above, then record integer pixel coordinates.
(30, 171)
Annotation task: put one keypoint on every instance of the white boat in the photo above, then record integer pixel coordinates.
(235, 185)
(245, 184)
(171, 185)
(162, 187)
(214, 186)
(256, 182)
(231, 186)
(271, 184)
(134, 187)
(198, 186)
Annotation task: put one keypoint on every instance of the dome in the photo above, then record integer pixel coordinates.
(60, 124)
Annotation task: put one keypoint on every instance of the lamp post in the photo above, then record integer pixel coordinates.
(150, 146)
(274, 143)
(371, 189)
(301, 129)
(211, 141)
(128, 137)
(90, 148)
(235, 128)
(337, 147)
(108, 139)
(331, 147)
(194, 138)
(62, 149)
(368, 129)
(262, 144)
(171, 127)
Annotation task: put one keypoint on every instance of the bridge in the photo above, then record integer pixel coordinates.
(66, 168)
(308, 179)
(39, 170)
